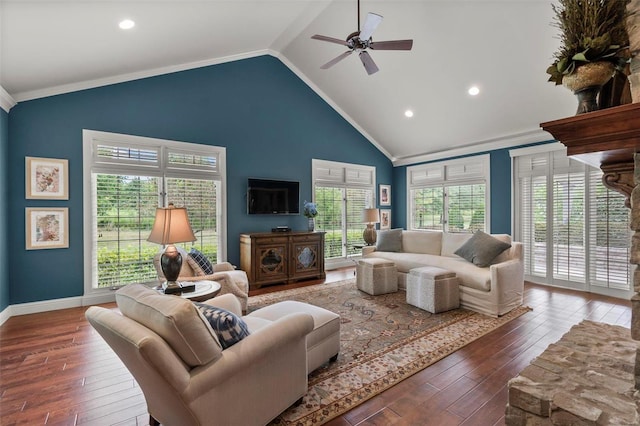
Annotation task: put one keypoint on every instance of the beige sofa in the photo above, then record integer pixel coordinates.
(492, 290)
(186, 376)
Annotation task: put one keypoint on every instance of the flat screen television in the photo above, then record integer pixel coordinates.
(265, 196)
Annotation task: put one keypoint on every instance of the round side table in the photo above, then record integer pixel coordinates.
(205, 290)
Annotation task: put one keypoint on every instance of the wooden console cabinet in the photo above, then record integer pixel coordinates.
(272, 257)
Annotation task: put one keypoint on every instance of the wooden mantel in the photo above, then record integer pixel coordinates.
(608, 139)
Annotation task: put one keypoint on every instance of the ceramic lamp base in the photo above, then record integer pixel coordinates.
(369, 235)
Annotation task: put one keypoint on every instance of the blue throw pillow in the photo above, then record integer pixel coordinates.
(229, 327)
(201, 260)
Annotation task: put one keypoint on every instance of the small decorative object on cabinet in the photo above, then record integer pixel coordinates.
(270, 258)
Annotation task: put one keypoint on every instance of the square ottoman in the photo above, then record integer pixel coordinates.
(323, 343)
(433, 289)
(376, 276)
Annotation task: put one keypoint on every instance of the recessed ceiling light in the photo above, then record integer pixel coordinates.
(127, 24)
(473, 90)
(408, 113)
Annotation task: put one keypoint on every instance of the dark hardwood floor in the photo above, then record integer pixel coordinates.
(54, 369)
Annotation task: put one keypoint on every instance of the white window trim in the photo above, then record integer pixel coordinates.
(89, 140)
(484, 176)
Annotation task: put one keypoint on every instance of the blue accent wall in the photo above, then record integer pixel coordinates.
(270, 121)
(4, 202)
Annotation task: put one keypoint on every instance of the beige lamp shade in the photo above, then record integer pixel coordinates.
(171, 226)
(370, 216)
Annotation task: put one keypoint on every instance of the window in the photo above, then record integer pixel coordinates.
(342, 191)
(575, 231)
(449, 196)
(130, 177)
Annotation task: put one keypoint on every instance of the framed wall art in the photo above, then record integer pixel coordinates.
(46, 178)
(385, 218)
(47, 228)
(385, 195)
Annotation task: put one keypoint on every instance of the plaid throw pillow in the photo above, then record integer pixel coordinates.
(229, 327)
(201, 260)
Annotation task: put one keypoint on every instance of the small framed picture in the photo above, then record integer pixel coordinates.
(46, 178)
(47, 228)
(385, 195)
(385, 218)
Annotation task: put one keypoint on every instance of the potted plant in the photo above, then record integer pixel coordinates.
(594, 45)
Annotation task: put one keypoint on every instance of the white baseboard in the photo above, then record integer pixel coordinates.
(54, 305)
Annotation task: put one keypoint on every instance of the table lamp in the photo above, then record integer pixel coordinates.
(370, 217)
(171, 226)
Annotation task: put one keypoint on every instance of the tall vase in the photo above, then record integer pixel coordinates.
(311, 224)
(586, 81)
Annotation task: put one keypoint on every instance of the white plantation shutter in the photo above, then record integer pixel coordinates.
(427, 208)
(124, 214)
(568, 227)
(449, 195)
(609, 236)
(342, 191)
(466, 207)
(532, 196)
(575, 231)
(331, 200)
(200, 197)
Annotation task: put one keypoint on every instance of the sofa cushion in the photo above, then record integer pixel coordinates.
(229, 327)
(389, 240)
(451, 241)
(469, 275)
(174, 319)
(481, 249)
(427, 242)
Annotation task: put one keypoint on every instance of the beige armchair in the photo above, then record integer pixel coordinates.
(231, 280)
(186, 378)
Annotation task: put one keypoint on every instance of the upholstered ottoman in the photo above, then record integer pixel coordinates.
(433, 289)
(323, 343)
(377, 276)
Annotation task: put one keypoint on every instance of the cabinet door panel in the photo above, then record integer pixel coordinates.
(272, 262)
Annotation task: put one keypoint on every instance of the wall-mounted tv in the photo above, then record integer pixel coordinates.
(265, 196)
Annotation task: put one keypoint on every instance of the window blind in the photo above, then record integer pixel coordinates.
(609, 236)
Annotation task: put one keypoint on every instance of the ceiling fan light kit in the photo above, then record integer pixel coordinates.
(361, 40)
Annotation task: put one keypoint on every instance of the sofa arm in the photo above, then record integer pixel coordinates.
(508, 278)
(368, 250)
(222, 267)
(228, 302)
(260, 346)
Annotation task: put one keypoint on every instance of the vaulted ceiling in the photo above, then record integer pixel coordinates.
(501, 46)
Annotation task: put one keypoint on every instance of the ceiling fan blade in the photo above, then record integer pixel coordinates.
(391, 45)
(336, 60)
(329, 39)
(368, 63)
(370, 24)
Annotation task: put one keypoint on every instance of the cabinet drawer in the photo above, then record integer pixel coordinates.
(271, 240)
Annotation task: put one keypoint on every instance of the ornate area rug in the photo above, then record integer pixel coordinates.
(383, 340)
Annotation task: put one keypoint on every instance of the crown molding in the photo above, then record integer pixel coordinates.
(302, 76)
(122, 78)
(6, 101)
(501, 142)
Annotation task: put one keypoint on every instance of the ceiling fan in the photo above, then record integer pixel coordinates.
(360, 41)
